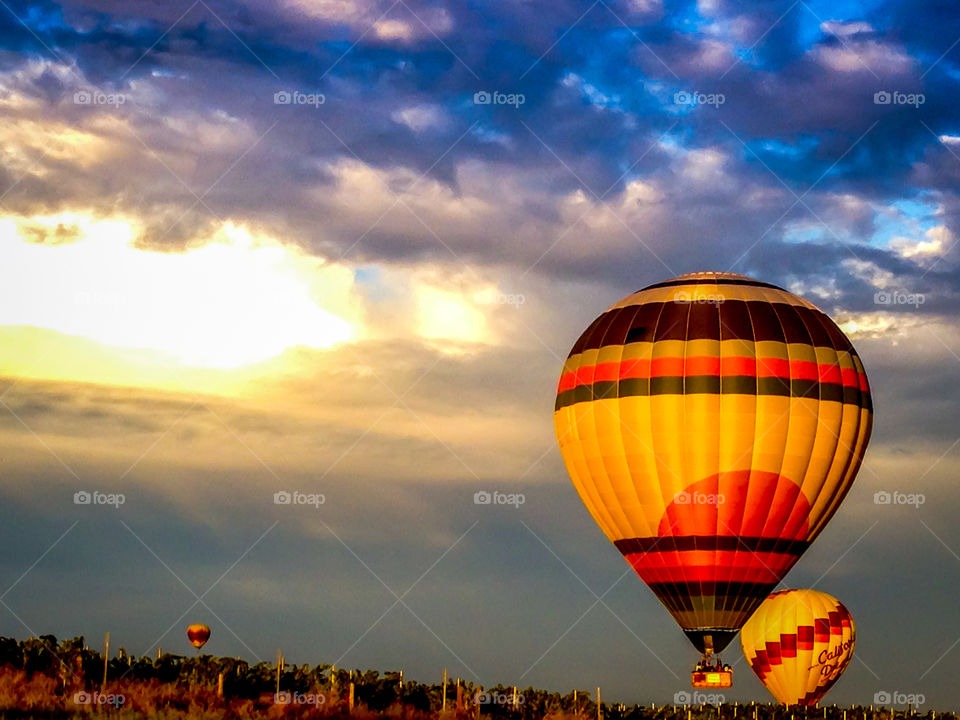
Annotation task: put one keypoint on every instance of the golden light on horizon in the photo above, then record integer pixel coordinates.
(233, 302)
(448, 316)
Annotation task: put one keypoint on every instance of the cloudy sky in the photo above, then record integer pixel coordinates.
(342, 247)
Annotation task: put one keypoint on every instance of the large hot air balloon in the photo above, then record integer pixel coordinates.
(198, 634)
(712, 425)
(799, 642)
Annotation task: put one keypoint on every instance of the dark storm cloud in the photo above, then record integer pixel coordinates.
(598, 95)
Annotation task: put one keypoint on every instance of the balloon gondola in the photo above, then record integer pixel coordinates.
(712, 425)
(704, 676)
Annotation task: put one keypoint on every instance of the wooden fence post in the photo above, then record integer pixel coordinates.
(106, 658)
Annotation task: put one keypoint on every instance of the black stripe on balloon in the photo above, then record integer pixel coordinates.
(712, 543)
(727, 596)
(714, 281)
(714, 385)
(753, 320)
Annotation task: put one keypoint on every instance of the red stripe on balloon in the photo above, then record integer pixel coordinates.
(710, 365)
(711, 566)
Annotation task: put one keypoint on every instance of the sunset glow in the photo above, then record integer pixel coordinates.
(232, 302)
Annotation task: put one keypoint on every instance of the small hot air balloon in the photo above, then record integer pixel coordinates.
(712, 425)
(799, 642)
(198, 634)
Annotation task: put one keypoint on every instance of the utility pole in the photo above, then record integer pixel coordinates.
(106, 658)
(443, 702)
(279, 668)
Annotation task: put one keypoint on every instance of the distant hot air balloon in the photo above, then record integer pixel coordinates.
(799, 642)
(712, 425)
(198, 635)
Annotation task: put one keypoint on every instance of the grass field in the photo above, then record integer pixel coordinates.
(41, 678)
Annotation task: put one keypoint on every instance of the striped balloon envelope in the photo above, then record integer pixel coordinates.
(198, 634)
(799, 642)
(712, 424)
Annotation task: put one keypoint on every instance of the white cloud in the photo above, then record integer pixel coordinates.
(420, 117)
(862, 56)
(713, 55)
(393, 30)
(646, 7)
(705, 167)
(841, 28)
(893, 327)
(869, 272)
(938, 240)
